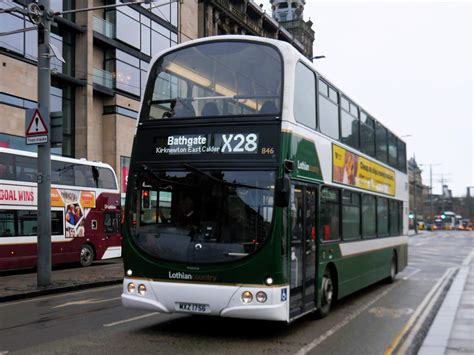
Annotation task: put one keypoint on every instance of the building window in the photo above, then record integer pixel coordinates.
(305, 96)
(127, 28)
(62, 100)
(26, 43)
(126, 69)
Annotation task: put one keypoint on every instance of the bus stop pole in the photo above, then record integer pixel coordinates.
(44, 151)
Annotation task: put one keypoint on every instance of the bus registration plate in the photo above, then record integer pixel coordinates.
(192, 307)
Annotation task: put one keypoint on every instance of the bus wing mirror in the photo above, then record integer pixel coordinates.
(282, 191)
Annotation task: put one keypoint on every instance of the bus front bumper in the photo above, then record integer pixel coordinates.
(217, 300)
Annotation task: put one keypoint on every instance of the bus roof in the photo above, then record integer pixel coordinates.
(285, 48)
(82, 161)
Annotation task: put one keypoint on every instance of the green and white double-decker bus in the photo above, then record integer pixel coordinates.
(257, 189)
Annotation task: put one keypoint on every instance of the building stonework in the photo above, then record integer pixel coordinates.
(289, 13)
(18, 78)
(246, 17)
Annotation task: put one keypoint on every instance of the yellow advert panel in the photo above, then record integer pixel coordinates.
(350, 169)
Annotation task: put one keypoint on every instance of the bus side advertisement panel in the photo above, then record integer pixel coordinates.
(354, 170)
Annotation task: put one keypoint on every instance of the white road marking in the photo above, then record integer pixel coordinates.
(131, 319)
(411, 274)
(419, 244)
(66, 294)
(89, 301)
(304, 350)
(344, 322)
(468, 259)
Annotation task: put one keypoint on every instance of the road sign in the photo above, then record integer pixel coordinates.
(36, 129)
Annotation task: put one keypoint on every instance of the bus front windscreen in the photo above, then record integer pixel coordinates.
(201, 216)
(217, 79)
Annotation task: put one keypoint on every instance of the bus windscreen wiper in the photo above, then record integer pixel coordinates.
(155, 177)
(199, 171)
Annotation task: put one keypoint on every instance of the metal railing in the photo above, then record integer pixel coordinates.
(104, 78)
(104, 27)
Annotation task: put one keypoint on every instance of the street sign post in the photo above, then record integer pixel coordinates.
(44, 149)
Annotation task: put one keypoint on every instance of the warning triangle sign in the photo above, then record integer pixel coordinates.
(36, 126)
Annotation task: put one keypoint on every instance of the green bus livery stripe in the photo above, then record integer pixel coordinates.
(353, 248)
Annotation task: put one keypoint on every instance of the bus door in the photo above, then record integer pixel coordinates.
(302, 250)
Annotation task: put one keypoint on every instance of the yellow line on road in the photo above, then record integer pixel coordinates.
(422, 308)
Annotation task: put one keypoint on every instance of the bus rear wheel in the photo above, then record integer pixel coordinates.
(87, 255)
(393, 270)
(327, 295)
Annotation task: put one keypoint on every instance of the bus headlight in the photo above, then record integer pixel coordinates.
(247, 297)
(269, 281)
(131, 287)
(141, 290)
(261, 297)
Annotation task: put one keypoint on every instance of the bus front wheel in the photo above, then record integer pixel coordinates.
(87, 255)
(327, 295)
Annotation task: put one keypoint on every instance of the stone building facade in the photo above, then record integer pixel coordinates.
(218, 17)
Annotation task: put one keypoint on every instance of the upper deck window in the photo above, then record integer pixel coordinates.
(304, 107)
(218, 79)
(349, 123)
(328, 111)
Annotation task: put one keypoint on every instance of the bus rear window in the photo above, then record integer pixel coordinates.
(214, 80)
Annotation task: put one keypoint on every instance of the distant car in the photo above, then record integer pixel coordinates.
(430, 226)
(468, 226)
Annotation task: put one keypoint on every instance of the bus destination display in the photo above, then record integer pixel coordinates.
(210, 145)
(246, 143)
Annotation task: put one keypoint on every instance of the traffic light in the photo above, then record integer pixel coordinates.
(443, 216)
(146, 199)
(411, 215)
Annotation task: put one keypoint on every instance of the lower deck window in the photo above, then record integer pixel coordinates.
(330, 214)
(369, 216)
(382, 217)
(350, 215)
(23, 223)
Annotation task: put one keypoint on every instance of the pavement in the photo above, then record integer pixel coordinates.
(451, 332)
(23, 284)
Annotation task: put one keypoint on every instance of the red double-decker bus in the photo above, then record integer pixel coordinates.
(85, 210)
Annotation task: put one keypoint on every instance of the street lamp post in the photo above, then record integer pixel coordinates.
(44, 150)
(431, 186)
(469, 201)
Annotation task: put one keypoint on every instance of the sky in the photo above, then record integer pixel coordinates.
(409, 64)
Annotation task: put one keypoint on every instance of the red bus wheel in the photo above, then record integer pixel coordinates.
(87, 255)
